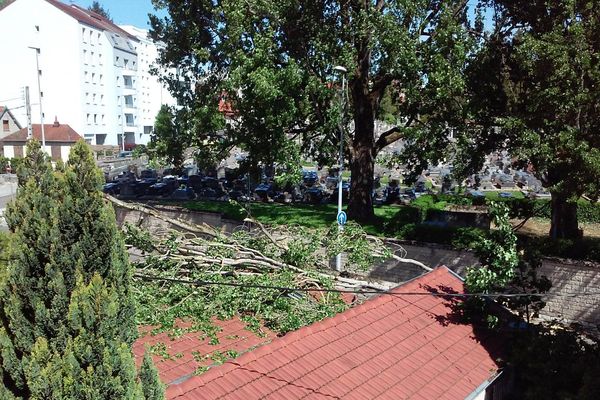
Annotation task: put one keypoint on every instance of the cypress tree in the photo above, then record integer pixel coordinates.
(153, 389)
(66, 311)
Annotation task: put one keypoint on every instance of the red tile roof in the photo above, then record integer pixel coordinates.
(390, 347)
(52, 133)
(184, 355)
(90, 18)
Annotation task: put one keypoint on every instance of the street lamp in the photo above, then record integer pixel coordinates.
(341, 216)
(37, 71)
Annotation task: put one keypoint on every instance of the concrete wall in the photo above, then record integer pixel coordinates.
(458, 219)
(154, 224)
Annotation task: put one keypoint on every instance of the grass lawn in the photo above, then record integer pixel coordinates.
(495, 194)
(312, 216)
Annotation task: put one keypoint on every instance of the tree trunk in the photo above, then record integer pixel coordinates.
(564, 224)
(362, 165)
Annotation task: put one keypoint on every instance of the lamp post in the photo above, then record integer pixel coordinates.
(37, 71)
(341, 217)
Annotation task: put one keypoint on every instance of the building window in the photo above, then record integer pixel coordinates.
(102, 99)
(85, 74)
(117, 60)
(98, 38)
(102, 119)
(129, 101)
(83, 35)
(99, 58)
(88, 119)
(101, 80)
(85, 57)
(37, 28)
(94, 78)
(94, 98)
(128, 82)
(125, 62)
(95, 118)
(92, 61)
(5, 126)
(87, 98)
(40, 72)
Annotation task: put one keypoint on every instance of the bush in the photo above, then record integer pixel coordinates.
(523, 208)
(581, 249)
(3, 164)
(405, 215)
(15, 163)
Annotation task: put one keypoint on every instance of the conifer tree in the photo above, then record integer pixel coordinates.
(153, 389)
(66, 312)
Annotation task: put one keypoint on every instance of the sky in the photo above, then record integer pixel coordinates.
(124, 12)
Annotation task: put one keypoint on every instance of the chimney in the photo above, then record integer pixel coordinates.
(56, 124)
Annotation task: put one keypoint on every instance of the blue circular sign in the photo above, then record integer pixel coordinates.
(342, 218)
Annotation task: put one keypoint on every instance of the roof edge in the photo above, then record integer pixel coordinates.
(481, 388)
(8, 2)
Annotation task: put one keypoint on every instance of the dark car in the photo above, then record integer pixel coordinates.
(112, 188)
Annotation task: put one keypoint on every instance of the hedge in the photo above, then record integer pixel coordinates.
(522, 208)
(519, 208)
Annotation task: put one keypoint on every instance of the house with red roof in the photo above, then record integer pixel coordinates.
(59, 139)
(407, 343)
(9, 122)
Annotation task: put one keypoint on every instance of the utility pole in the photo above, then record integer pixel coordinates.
(28, 110)
(38, 72)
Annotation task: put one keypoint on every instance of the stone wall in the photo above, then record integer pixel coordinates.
(153, 224)
(570, 277)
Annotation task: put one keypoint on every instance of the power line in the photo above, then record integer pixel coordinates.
(14, 98)
(350, 291)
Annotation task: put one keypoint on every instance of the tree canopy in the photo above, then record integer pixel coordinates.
(534, 92)
(273, 63)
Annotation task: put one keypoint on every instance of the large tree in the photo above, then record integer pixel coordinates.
(273, 60)
(66, 308)
(535, 90)
(99, 9)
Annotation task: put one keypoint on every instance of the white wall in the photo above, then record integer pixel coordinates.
(9, 151)
(36, 23)
(151, 93)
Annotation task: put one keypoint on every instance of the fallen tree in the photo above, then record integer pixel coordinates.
(278, 276)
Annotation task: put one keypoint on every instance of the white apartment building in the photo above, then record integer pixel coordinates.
(151, 93)
(89, 71)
